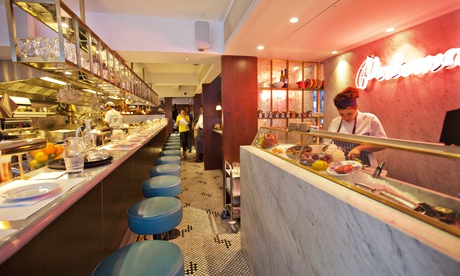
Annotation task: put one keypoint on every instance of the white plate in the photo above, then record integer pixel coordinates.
(356, 167)
(30, 191)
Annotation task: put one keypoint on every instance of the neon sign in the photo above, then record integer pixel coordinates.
(371, 68)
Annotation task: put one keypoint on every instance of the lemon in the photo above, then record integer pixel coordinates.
(32, 164)
(319, 165)
(41, 157)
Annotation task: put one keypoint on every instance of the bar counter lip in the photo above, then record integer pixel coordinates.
(45, 216)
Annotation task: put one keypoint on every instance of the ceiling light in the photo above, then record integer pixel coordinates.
(389, 30)
(64, 25)
(67, 73)
(218, 107)
(334, 52)
(53, 80)
(294, 20)
(260, 47)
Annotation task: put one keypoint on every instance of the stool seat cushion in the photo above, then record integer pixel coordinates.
(166, 169)
(150, 257)
(173, 143)
(170, 152)
(168, 159)
(171, 147)
(154, 215)
(163, 185)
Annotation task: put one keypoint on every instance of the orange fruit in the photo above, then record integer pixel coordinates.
(58, 157)
(59, 149)
(41, 157)
(49, 149)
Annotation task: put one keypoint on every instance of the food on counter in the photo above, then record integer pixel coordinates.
(268, 140)
(277, 150)
(293, 152)
(41, 156)
(308, 158)
(319, 165)
(344, 169)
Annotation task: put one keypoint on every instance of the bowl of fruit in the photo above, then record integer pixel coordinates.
(268, 140)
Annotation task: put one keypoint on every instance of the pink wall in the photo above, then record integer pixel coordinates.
(411, 108)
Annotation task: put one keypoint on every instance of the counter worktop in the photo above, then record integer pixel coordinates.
(19, 233)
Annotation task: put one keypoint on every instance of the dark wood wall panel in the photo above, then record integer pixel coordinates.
(212, 147)
(168, 114)
(239, 104)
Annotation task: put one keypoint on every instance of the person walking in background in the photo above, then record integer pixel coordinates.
(182, 122)
(190, 126)
(174, 116)
(199, 137)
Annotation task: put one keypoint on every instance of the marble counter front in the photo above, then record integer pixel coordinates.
(294, 222)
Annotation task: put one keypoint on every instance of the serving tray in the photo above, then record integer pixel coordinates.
(60, 165)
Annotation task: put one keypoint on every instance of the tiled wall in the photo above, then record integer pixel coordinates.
(411, 108)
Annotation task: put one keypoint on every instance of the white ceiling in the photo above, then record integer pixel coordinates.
(241, 25)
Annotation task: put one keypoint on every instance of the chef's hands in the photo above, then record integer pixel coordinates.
(354, 153)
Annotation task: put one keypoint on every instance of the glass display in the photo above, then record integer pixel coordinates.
(303, 147)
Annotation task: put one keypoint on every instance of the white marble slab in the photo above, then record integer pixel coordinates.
(294, 222)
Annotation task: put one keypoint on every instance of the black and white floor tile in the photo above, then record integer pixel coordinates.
(208, 244)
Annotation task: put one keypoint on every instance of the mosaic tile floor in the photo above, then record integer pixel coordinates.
(208, 244)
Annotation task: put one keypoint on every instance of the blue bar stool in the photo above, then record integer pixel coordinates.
(163, 185)
(172, 144)
(166, 169)
(171, 148)
(143, 258)
(170, 152)
(168, 159)
(154, 216)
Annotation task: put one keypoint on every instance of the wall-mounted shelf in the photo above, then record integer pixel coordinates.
(76, 55)
(301, 90)
(25, 114)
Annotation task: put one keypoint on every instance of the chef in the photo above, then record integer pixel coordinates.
(352, 121)
(112, 118)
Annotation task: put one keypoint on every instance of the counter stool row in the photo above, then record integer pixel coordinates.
(156, 215)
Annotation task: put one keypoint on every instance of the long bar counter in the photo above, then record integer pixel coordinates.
(295, 222)
(82, 226)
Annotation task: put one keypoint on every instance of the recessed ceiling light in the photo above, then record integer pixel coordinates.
(334, 52)
(186, 58)
(389, 30)
(294, 20)
(260, 47)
